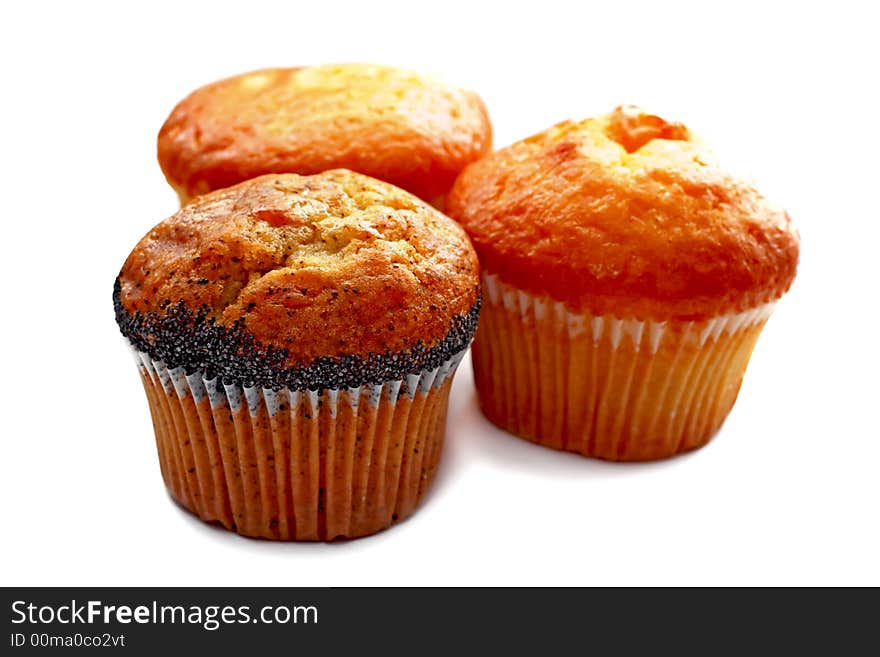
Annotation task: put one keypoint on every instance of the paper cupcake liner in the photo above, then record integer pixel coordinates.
(605, 387)
(298, 465)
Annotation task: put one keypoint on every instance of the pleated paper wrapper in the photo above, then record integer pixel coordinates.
(298, 465)
(605, 387)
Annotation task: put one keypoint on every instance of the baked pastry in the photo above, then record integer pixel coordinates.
(396, 125)
(626, 279)
(297, 338)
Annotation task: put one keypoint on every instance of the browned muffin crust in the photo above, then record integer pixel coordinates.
(289, 270)
(626, 214)
(389, 123)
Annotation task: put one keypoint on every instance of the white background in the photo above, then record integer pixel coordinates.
(787, 493)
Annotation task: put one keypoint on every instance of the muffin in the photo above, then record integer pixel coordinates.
(626, 279)
(396, 125)
(297, 338)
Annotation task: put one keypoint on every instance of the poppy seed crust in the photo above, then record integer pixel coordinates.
(181, 337)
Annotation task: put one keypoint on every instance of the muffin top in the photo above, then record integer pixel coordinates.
(625, 214)
(392, 124)
(330, 280)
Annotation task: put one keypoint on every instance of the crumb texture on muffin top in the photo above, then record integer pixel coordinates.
(290, 269)
(626, 214)
(392, 124)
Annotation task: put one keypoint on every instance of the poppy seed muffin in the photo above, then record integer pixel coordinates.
(297, 337)
(627, 278)
(396, 125)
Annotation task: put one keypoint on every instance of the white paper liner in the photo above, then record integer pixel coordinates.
(298, 464)
(643, 334)
(605, 386)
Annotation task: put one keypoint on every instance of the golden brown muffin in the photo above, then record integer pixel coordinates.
(297, 337)
(625, 214)
(389, 123)
(627, 278)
